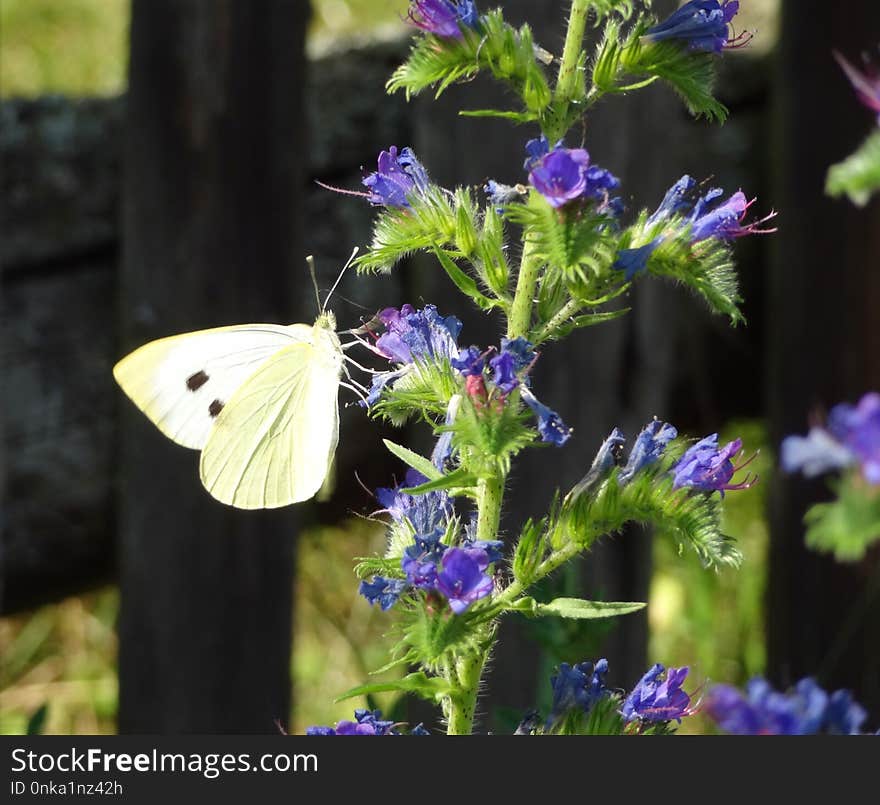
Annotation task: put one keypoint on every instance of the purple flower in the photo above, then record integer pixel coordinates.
(366, 723)
(550, 425)
(443, 17)
(470, 362)
(384, 591)
(428, 514)
(708, 468)
(396, 178)
(577, 687)
(490, 547)
(648, 448)
(702, 25)
(857, 427)
(462, 579)
(866, 84)
(852, 435)
(420, 574)
(725, 220)
(658, 697)
(412, 335)
(806, 710)
(561, 175)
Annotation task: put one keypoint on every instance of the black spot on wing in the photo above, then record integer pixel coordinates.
(215, 408)
(196, 381)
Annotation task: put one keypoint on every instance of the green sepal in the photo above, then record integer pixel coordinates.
(414, 460)
(516, 117)
(858, 176)
(432, 688)
(368, 566)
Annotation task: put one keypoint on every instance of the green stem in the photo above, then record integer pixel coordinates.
(567, 88)
(556, 559)
(468, 672)
(490, 492)
(569, 309)
(519, 323)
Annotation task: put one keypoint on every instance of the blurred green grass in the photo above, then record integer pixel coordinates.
(80, 47)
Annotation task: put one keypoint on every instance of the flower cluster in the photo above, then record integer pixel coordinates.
(703, 217)
(851, 437)
(457, 574)
(509, 369)
(410, 336)
(702, 24)
(805, 710)
(866, 84)
(443, 18)
(564, 175)
(366, 722)
(656, 699)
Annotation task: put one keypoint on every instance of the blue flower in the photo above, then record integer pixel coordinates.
(577, 687)
(851, 436)
(550, 425)
(560, 176)
(675, 201)
(443, 17)
(396, 178)
(857, 427)
(490, 547)
(658, 697)
(708, 468)
(384, 591)
(806, 710)
(648, 448)
(470, 362)
(412, 335)
(536, 150)
(502, 194)
(443, 448)
(366, 723)
(427, 514)
(634, 261)
(702, 25)
(602, 464)
(462, 579)
(843, 715)
(724, 222)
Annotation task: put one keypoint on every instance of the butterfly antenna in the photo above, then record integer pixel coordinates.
(311, 261)
(339, 278)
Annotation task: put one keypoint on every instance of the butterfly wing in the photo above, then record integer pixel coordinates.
(274, 441)
(183, 382)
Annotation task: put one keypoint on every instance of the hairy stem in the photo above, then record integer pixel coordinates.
(567, 85)
(490, 492)
(569, 309)
(468, 672)
(519, 322)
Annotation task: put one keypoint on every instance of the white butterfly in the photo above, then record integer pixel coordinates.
(259, 401)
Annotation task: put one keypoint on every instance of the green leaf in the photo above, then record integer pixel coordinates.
(587, 610)
(414, 460)
(516, 117)
(38, 720)
(467, 285)
(858, 176)
(457, 479)
(848, 526)
(419, 684)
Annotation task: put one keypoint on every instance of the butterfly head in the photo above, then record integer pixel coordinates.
(326, 321)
